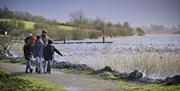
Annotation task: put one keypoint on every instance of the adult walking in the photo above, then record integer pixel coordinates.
(28, 54)
(38, 54)
(44, 37)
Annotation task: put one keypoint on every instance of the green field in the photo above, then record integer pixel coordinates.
(30, 25)
(66, 27)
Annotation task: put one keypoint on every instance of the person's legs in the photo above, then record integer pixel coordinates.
(27, 66)
(40, 64)
(44, 66)
(30, 66)
(49, 66)
(40, 69)
(37, 64)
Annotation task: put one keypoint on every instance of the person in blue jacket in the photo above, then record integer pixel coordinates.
(39, 54)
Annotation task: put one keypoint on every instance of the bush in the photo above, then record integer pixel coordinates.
(140, 31)
(4, 41)
(11, 25)
(41, 25)
(114, 31)
(20, 34)
(59, 34)
(94, 34)
(79, 34)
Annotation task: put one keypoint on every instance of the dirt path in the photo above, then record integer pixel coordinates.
(71, 82)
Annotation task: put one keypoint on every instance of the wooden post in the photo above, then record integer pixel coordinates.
(64, 40)
(103, 39)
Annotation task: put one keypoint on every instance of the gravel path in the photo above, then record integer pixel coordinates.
(71, 82)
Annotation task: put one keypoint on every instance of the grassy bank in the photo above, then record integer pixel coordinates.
(124, 85)
(127, 86)
(9, 82)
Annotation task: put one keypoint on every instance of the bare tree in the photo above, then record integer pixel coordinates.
(79, 19)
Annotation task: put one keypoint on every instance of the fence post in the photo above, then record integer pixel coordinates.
(103, 39)
(64, 40)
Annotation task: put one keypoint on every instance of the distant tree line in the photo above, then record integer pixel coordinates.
(99, 27)
(161, 29)
(83, 27)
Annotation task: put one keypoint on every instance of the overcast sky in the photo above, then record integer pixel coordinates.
(136, 12)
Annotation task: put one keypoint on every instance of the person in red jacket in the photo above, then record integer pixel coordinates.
(32, 39)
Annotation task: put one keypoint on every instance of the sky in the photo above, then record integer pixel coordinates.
(136, 12)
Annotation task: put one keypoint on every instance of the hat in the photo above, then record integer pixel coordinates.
(38, 37)
(44, 31)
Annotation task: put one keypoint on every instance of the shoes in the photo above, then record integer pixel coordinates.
(31, 70)
(49, 72)
(36, 70)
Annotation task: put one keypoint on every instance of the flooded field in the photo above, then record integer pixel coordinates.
(157, 56)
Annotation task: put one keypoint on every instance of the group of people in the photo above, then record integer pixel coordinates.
(41, 50)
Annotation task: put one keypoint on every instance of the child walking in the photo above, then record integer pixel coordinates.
(48, 55)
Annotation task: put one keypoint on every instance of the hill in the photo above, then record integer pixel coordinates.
(30, 25)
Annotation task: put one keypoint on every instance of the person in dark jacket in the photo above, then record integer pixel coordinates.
(28, 54)
(49, 55)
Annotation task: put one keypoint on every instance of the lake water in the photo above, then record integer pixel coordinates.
(156, 55)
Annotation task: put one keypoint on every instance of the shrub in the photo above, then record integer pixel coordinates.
(11, 25)
(4, 41)
(94, 34)
(20, 34)
(79, 34)
(59, 34)
(41, 25)
(140, 31)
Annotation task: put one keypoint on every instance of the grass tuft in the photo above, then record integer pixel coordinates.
(9, 82)
(127, 86)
